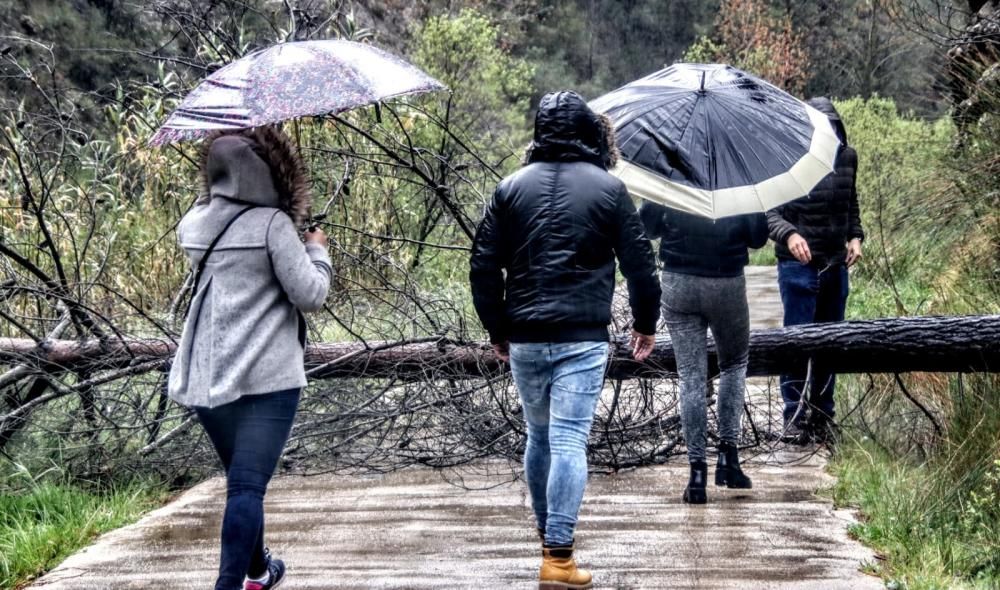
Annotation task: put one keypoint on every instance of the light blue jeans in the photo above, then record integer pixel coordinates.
(559, 384)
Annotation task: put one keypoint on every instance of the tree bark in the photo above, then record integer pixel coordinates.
(891, 345)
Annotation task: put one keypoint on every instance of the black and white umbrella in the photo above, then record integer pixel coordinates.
(715, 141)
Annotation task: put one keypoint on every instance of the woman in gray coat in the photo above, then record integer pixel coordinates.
(239, 363)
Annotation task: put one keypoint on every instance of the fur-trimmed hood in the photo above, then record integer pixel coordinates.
(567, 130)
(259, 166)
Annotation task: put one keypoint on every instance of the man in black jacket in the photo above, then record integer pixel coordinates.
(555, 228)
(816, 239)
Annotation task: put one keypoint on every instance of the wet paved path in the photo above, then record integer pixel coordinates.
(416, 529)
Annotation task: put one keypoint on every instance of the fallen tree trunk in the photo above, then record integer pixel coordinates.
(890, 345)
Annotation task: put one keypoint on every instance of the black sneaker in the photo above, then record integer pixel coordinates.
(825, 432)
(276, 569)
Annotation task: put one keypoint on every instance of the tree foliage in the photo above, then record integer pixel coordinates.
(751, 38)
(593, 46)
(865, 48)
(489, 87)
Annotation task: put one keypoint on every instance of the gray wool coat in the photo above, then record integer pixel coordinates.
(241, 335)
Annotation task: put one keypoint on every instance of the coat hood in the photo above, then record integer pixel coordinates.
(259, 166)
(567, 130)
(825, 106)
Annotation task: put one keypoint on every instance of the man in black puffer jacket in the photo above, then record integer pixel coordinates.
(816, 239)
(555, 227)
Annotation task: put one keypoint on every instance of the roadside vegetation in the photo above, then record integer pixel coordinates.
(43, 522)
(920, 457)
(930, 507)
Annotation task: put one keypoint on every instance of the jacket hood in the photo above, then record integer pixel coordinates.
(259, 166)
(825, 106)
(567, 130)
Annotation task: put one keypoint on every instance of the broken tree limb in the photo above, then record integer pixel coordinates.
(891, 345)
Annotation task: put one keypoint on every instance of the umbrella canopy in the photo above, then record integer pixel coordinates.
(714, 141)
(290, 80)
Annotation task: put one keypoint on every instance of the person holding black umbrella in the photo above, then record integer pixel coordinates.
(816, 240)
(704, 289)
(712, 148)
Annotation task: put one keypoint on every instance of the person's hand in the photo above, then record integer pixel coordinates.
(799, 248)
(853, 251)
(315, 235)
(502, 351)
(642, 345)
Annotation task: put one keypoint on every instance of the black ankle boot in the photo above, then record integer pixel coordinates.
(694, 493)
(727, 470)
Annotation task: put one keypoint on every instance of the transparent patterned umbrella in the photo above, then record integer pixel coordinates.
(290, 80)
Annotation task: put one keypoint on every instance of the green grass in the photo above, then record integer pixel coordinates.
(932, 514)
(931, 538)
(43, 525)
(873, 297)
(763, 256)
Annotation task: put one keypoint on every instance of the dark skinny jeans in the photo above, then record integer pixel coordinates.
(249, 435)
(693, 306)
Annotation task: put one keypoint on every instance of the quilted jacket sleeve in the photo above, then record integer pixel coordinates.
(854, 229)
(486, 273)
(757, 230)
(635, 257)
(779, 227)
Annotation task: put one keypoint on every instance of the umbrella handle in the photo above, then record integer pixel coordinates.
(313, 222)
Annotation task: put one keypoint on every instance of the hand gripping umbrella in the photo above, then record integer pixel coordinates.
(714, 141)
(300, 79)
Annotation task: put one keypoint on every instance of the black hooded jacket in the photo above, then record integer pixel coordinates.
(694, 245)
(555, 228)
(829, 217)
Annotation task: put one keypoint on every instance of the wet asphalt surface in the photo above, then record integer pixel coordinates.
(417, 529)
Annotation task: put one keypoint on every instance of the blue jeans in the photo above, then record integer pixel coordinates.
(811, 295)
(559, 384)
(249, 435)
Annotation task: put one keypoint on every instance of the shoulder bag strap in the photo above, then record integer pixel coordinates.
(208, 251)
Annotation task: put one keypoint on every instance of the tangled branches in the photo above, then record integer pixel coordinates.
(87, 255)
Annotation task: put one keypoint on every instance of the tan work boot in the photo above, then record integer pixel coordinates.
(559, 571)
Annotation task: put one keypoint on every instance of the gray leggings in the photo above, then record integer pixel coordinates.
(692, 305)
